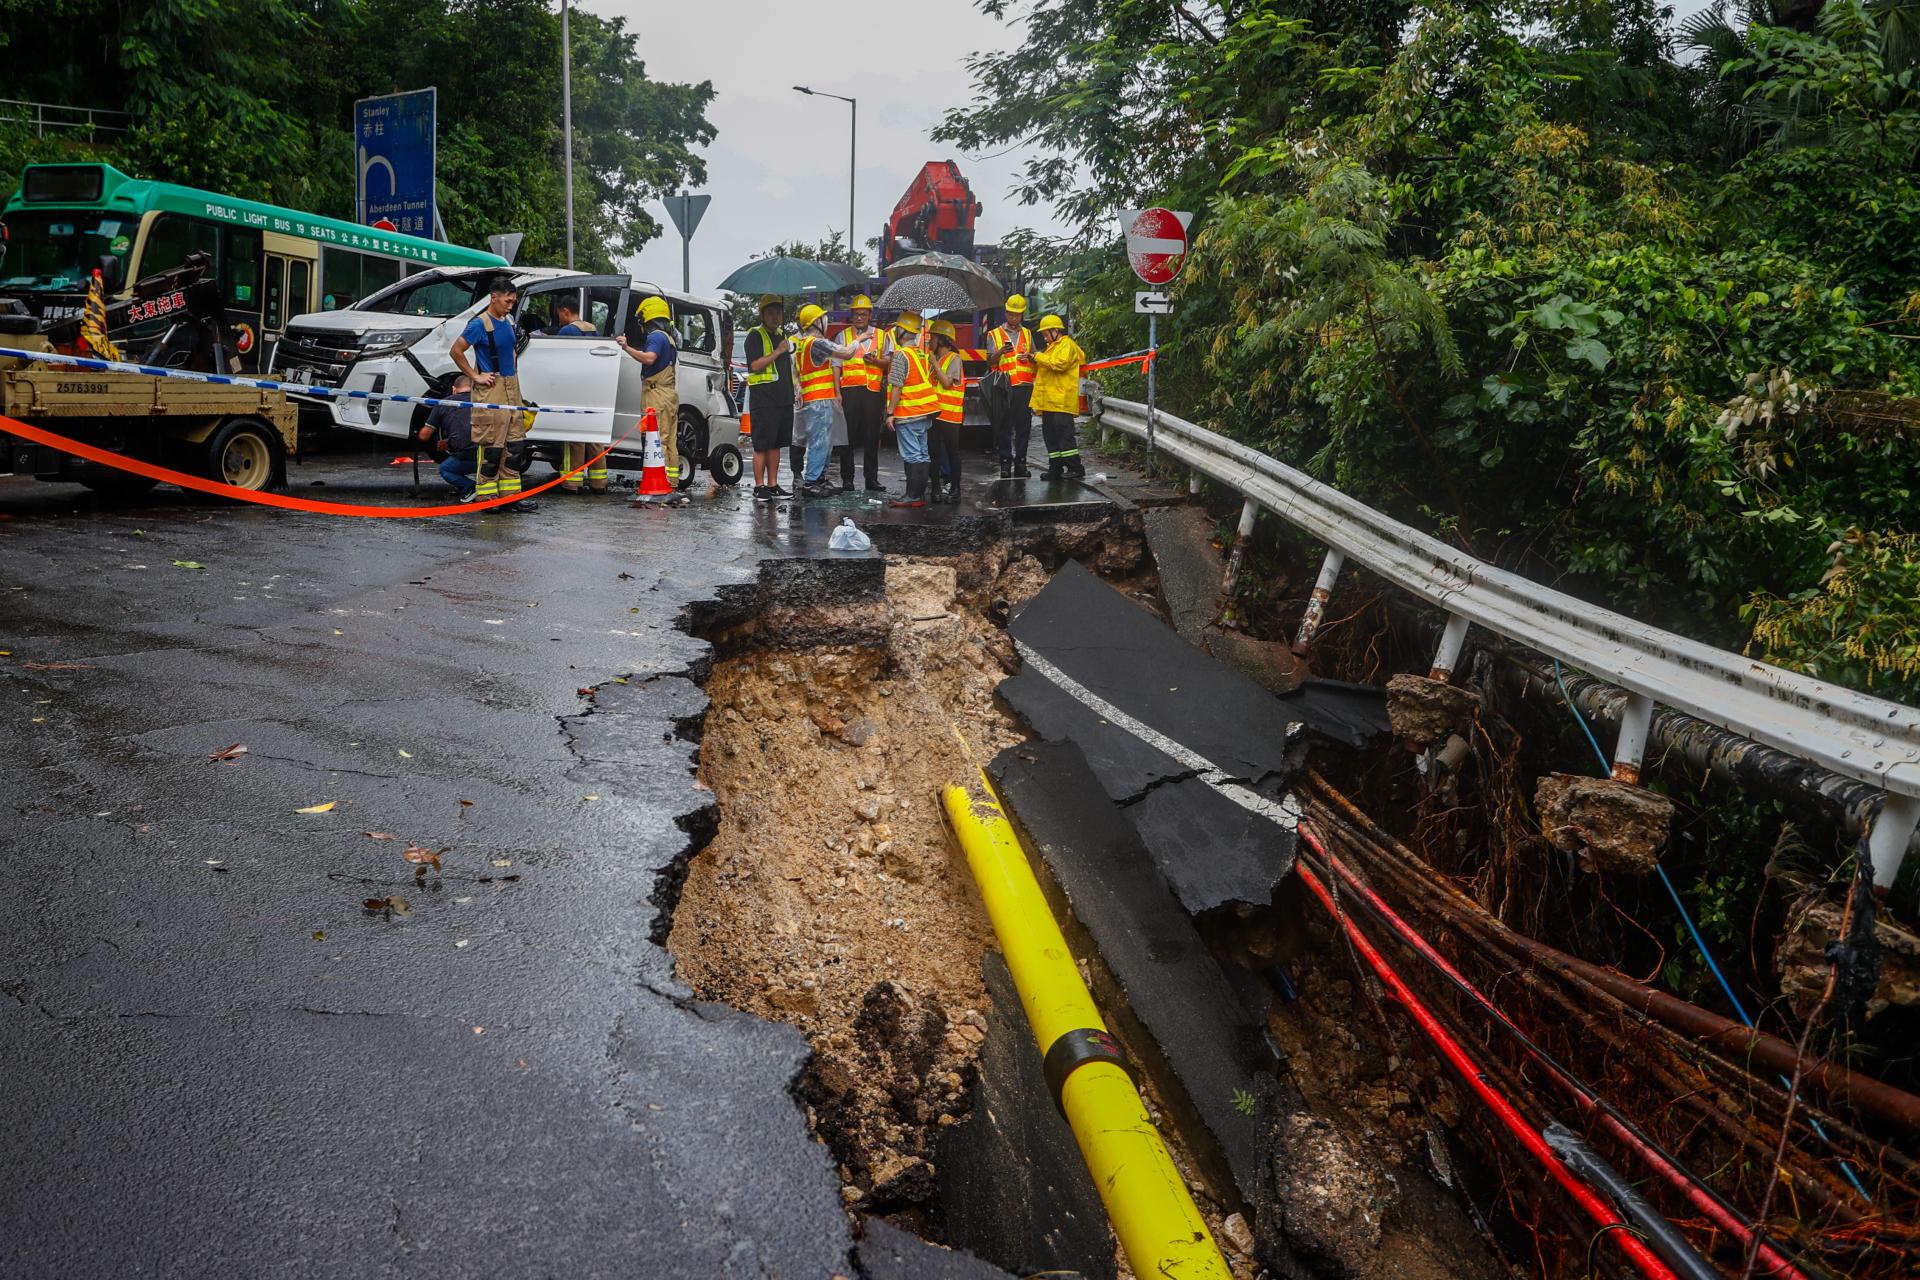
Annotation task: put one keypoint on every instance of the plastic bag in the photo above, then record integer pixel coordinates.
(849, 538)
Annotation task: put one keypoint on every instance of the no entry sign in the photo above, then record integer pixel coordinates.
(1156, 242)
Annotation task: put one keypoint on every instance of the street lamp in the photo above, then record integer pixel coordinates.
(853, 144)
(566, 117)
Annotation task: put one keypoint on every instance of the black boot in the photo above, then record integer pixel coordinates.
(953, 485)
(916, 487)
(1006, 469)
(934, 489)
(1020, 471)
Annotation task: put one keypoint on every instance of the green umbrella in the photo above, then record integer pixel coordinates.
(786, 276)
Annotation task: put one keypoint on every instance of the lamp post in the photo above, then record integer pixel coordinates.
(853, 150)
(566, 116)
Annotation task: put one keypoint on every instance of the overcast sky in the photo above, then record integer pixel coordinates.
(778, 170)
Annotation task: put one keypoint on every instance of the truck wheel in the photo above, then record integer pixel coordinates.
(247, 454)
(725, 465)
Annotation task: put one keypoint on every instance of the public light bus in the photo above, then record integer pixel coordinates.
(271, 264)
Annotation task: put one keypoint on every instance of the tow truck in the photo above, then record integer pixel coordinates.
(238, 435)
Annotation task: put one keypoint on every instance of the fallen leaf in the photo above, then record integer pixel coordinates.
(188, 564)
(319, 808)
(584, 693)
(337, 631)
(426, 857)
(228, 754)
(379, 835)
(6, 653)
(503, 862)
(375, 904)
(592, 797)
(319, 935)
(461, 943)
(404, 753)
(479, 1031)
(626, 577)
(139, 533)
(399, 906)
(466, 802)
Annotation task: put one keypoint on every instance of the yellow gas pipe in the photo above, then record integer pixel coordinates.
(1159, 1226)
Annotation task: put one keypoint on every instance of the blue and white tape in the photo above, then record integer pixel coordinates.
(94, 365)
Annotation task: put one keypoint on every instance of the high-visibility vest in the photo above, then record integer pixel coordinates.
(816, 379)
(953, 400)
(858, 372)
(917, 395)
(772, 372)
(1016, 354)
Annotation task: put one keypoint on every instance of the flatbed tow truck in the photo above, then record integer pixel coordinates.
(237, 435)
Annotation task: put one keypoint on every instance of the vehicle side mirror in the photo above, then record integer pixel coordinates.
(113, 273)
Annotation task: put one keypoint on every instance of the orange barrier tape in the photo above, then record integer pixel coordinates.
(222, 490)
(1138, 357)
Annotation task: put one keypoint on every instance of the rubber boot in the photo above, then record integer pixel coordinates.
(1006, 469)
(953, 486)
(915, 495)
(935, 487)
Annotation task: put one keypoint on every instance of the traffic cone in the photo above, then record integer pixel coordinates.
(653, 469)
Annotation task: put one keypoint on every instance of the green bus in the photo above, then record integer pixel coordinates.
(66, 220)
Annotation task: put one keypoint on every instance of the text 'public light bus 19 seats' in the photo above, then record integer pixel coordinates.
(65, 220)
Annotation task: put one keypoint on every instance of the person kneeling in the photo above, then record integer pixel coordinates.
(449, 428)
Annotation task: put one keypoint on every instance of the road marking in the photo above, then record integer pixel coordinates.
(1284, 813)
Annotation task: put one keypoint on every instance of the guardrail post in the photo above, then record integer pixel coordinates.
(1636, 720)
(1317, 602)
(1193, 484)
(1249, 511)
(1452, 640)
(1887, 839)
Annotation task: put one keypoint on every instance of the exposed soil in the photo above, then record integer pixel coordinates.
(831, 896)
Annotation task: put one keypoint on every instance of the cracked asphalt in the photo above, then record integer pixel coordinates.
(219, 1062)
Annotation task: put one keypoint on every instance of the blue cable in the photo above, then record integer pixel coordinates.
(1693, 930)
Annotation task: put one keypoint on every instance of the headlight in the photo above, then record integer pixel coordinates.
(387, 341)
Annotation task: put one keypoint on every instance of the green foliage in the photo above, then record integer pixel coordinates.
(255, 99)
(1518, 273)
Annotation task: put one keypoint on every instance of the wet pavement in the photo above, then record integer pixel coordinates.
(242, 1039)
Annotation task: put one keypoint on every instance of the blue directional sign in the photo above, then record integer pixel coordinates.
(393, 151)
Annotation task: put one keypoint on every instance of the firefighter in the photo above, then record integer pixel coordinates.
(1056, 397)
(911, 404)
(1010, 348)
(486, 352)
(950, 389)
(863, 394)
(660, 357)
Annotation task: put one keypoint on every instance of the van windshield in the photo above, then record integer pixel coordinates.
(438, 297)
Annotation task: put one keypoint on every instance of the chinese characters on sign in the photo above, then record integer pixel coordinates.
(154, 308)
(394, 161)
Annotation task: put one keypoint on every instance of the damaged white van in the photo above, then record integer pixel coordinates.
(400, 340)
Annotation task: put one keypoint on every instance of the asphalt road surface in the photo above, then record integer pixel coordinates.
(218, 1060)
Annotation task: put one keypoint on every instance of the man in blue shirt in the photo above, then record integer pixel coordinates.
(487, 352)
(658, 356)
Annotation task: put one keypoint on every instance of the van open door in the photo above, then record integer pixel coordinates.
(574, 370)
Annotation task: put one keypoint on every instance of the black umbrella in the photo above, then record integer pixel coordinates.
(924, 294)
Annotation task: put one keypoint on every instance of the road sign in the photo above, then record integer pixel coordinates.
(507, 244)
(393, 171)
(1148, 302)
(1156, 242)
(686, 212)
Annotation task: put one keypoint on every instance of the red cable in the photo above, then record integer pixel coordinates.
(1643, 1258)
(185, 481)
(1774, 1260)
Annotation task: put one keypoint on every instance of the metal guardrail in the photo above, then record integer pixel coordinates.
(42, 116)
(1850, 733)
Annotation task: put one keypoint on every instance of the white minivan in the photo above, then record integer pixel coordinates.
(400, 341)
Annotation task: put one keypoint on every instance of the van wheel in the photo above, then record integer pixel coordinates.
(692, 442)
(247, 454)
(725, 465)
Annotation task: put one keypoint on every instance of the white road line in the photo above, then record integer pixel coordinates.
(1284, 813)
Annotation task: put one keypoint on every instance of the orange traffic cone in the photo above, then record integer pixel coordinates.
(653, 466)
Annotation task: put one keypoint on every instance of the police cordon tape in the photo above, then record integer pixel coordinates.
(169, 476)
(93, 364)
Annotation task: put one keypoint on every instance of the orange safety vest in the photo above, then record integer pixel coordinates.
(1016, 354)
(953, 400)
(918, 397)
(816, 379)
(859, 372)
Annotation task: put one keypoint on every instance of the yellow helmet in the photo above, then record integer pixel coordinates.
(655, 309)
(1052, 322)
(1017, 305)
(861, 302)
(943, 329)
(769, 300)
(810, 313)
(908, 320)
